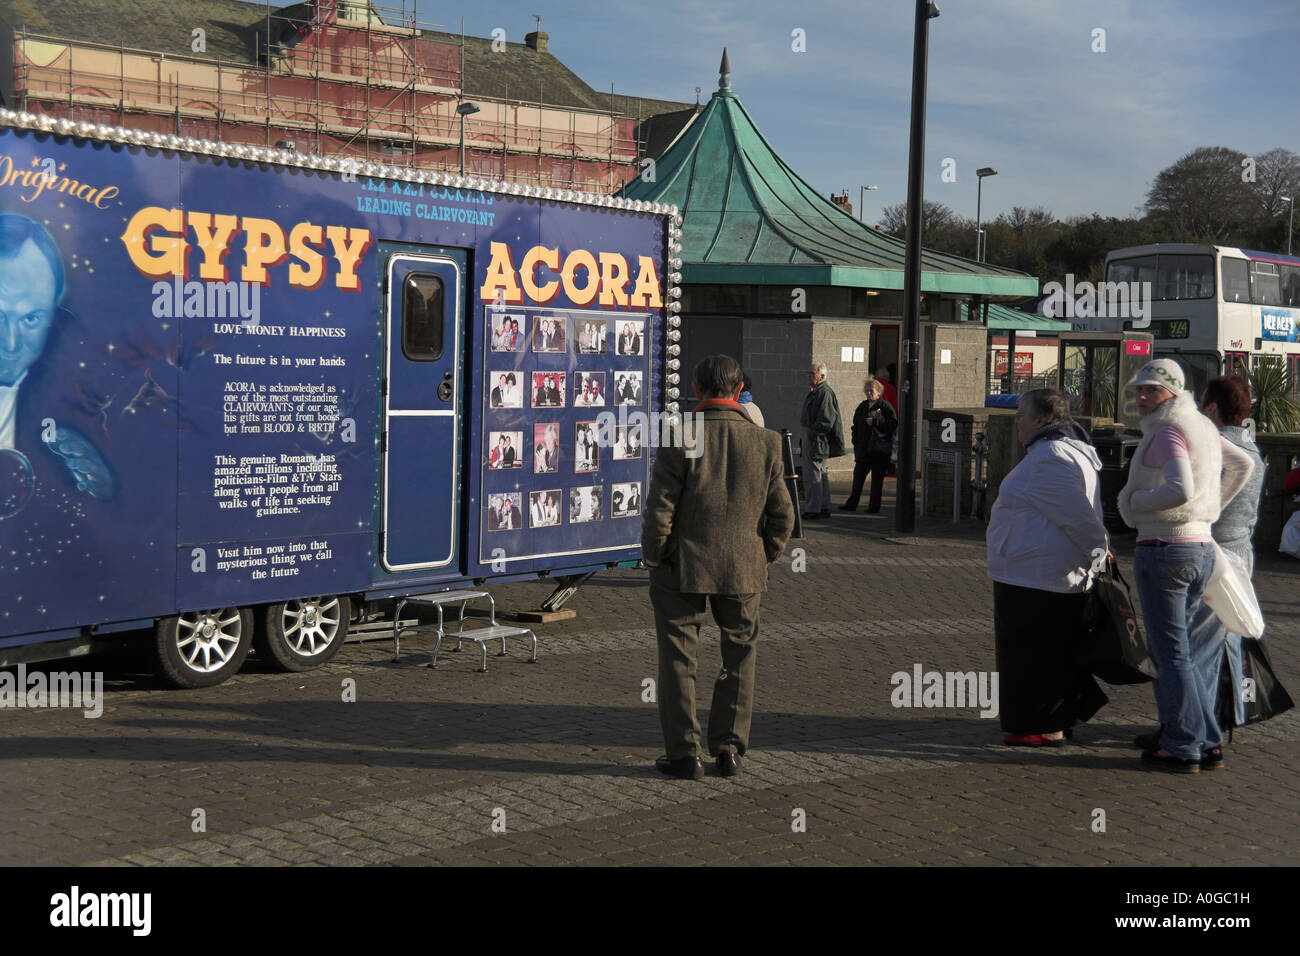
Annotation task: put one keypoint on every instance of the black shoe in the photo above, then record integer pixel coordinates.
(848, 507)
(728, 763)
(1212, 759)
(1164, 761)
(684, 768)
(815, 515)
(824, 514)
(873, 511)
(1149, 741)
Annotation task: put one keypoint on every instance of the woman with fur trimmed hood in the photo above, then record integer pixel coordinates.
(1181, 476)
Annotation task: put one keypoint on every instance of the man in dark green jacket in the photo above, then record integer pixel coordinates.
(823, 439)
(713, 524)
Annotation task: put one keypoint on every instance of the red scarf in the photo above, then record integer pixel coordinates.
(721, 403)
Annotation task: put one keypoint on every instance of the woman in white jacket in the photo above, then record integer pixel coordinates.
(1182, 474)
(1045, 533)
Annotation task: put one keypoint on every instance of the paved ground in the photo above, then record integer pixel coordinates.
(558, 754)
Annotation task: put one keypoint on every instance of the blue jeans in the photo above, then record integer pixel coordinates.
(1170, 581)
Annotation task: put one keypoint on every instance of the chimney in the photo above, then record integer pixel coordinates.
(537, 40)
(842, 200)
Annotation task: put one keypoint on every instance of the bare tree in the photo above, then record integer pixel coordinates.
(1277, 173)
(935, 216)
(1203, 197)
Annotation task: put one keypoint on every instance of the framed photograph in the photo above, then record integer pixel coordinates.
(627, 442)
(506, 392)
(625, 499)
(586, 448)
(507, 332)
(588, 389)
(627, 388)
(591, 336)
(505, 450)
(546, 448)
(549, 389)
(631, 337)
(586, 504)
(550, 333)
(544, 508)
(505, 511)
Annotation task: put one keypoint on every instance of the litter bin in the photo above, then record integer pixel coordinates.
(1115, 448)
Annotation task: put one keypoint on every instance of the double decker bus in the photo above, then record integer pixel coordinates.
(1216, 310)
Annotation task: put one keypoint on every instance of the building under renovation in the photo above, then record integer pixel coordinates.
(340, 78)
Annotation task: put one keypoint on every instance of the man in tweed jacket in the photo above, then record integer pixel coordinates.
(713, 524)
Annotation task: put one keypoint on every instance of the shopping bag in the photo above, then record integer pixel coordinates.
(1116, 648)
(1230, 595)
(1264, 694)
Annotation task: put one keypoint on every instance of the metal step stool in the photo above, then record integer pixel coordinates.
(479, 635)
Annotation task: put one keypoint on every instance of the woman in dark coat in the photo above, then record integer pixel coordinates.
(874, 424)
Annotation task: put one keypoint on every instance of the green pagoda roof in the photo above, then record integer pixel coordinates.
(750, 219)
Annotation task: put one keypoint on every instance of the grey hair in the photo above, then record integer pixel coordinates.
(1046, 403)
(821, 368)
(882, 373)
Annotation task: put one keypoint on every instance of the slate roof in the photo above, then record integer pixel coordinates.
(750, 219)
(162, 25)
(234, 27)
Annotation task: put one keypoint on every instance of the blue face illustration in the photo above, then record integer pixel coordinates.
(27, 292)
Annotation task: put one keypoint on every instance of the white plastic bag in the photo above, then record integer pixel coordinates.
(1291, 537)
(1231, 596)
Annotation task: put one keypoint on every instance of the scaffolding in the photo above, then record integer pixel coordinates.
(337, 79)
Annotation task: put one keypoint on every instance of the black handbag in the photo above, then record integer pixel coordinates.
(1116, 648)
(880, 446)
(1266, 697)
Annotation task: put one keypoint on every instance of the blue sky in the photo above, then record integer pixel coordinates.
(1013, 84)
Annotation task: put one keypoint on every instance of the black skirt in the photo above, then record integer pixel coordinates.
(1041, 686)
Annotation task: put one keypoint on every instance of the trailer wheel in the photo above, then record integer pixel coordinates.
(203, 648)
(303, 634)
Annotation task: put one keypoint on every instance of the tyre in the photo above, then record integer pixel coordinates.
(305, 633)
(202, 648)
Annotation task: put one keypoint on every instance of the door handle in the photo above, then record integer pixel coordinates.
(445, 387)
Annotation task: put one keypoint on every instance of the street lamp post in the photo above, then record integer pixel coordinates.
(908, 391)
(1290, 222)
(464, 109)
(979, 197)
(862, 201)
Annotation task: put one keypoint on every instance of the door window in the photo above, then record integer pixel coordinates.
(422, 317)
